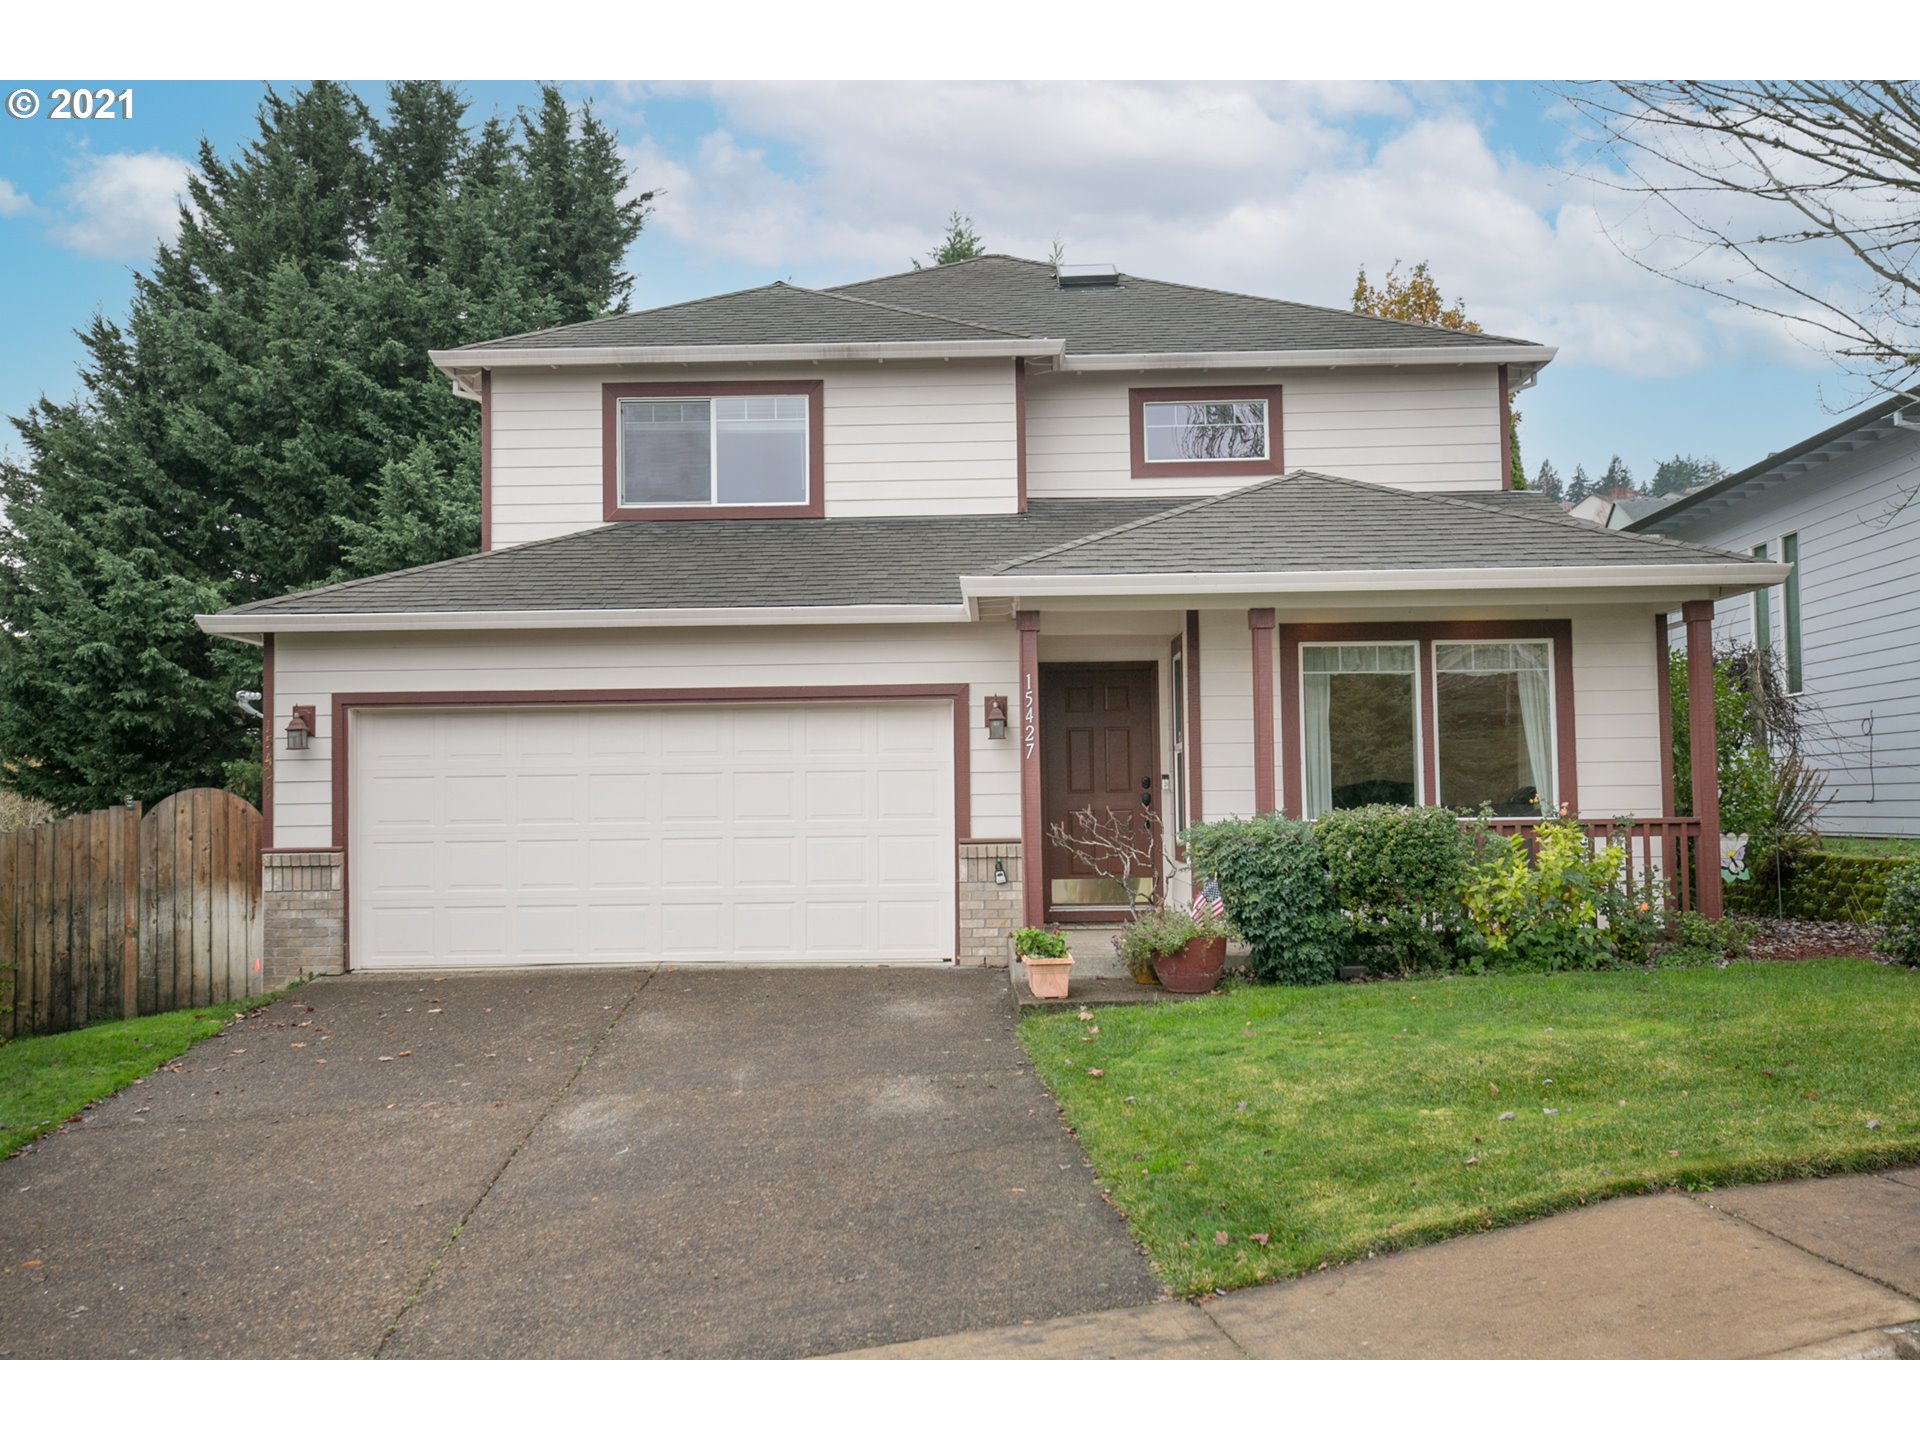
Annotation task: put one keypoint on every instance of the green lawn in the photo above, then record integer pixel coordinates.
(45, 1079)
(1346, 1120)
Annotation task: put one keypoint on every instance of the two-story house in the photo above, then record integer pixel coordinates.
(1839, 509)
(801, 616)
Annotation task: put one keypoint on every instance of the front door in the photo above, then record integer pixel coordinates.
(1099, 753)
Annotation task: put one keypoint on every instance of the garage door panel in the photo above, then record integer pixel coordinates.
(640, 833)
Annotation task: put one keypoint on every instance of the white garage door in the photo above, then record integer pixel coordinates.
(757, 834)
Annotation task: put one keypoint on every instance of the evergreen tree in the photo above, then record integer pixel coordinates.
(1547, 481)
(1618, 480)
(1684, 472)
(1578, 488)
(266, 418)
(961, 242)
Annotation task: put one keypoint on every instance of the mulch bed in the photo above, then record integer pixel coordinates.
(1778, 938)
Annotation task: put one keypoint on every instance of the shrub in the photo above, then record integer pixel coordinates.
(1900, 917)
(1543, 913)
(1042, 944)
(1274, 881)
(1161, 932)
(1399, 873)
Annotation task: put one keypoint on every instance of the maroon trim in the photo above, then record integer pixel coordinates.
(1506, 433)
(266, 742)
(612, 395)
(345, 704)
(1663, 677)
(1260, 622)
(1425, 632)
(1020, 433)
(1187, 469)
(1032, 870)
(1703, 748)
(486, 461)
(1195, 813)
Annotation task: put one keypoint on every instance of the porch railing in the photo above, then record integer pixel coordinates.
(1662, 853)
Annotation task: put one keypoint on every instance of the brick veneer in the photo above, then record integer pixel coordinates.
(304, 914)
(989, 913)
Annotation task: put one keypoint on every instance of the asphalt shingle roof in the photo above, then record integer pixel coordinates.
(1003, 296)
(1308, 521)
(1301, 521)
(776, 314)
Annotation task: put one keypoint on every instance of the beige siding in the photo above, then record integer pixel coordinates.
(312, 669)
(1226, 714)
(1419, 428)
(1616, 709)
(935, 437)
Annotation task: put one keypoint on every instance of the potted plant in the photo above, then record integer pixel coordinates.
(1186, 948)
(1044, 953)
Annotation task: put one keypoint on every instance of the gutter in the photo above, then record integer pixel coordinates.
(538, 358)
(248, 625)
(1734, 577)
(1534, 355)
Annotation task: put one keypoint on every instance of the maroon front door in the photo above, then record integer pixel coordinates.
(1098, 752)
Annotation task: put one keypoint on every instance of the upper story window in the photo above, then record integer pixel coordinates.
(684, 451)
(1205, 430)
(1190, 431)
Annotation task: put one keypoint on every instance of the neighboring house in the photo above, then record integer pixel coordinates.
(802, 615)
(1839, 508)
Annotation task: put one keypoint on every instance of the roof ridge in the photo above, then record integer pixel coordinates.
(943, 265)
(1201, 504)
(921, 314)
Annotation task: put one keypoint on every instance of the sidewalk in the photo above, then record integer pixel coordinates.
(1814, 1269)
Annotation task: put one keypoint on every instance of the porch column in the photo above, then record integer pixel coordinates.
(1033, 879)
(1260, 622)
(1703, 750)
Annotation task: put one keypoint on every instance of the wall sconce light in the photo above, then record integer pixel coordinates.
(996, 717)
(999, 871)
(300, 728)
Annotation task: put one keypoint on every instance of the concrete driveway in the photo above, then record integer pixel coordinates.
(580, 1163)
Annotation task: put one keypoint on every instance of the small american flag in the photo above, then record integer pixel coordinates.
(1208, 902)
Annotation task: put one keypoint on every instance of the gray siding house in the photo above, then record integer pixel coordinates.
(1839, 507)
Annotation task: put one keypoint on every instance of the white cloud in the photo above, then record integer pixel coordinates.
(13, 202)
(1274, 189)
(119, 205)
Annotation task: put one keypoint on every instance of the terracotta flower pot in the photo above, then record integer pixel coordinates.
(1047, 975)
(1196, 969)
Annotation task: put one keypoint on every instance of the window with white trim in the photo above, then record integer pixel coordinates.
(1359, 725)
(1202, 430)
(1494, 725)
(722, 450)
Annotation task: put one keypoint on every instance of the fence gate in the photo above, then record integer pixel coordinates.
(114, 914)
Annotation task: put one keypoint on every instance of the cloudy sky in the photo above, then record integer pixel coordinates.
(1277, 189)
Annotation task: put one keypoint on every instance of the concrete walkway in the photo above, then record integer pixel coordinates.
(1826, 1269)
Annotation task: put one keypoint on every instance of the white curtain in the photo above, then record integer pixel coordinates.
(1316, 694)
(1536, 719)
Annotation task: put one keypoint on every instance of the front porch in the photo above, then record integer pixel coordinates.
(1164, 718)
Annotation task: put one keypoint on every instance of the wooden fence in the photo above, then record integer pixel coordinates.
(116, 914)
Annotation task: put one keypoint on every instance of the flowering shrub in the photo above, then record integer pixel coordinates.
(1543, 912)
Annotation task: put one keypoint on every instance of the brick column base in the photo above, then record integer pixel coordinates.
(989, 910)
(305, 915)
